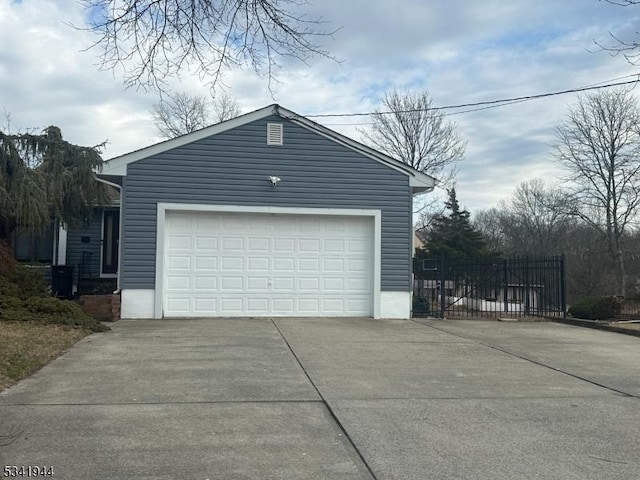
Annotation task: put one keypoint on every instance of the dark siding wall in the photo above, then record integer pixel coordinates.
(91, 250)
(231, 168)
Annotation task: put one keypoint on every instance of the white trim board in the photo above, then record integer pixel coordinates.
(181, 207)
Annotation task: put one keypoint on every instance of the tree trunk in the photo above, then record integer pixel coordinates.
(622, 273)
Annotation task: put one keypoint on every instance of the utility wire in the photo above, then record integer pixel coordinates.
(490, 103)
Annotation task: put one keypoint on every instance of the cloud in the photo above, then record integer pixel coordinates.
(460, 51)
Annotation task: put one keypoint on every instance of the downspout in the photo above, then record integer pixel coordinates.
(119, 187)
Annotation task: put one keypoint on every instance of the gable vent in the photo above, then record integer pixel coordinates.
(274, 133)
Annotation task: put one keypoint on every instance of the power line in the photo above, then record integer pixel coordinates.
(489, 103)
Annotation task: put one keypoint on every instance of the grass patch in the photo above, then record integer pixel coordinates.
(25, 347)
(35, 328)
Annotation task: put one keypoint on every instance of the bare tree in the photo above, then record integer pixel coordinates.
(537, 220)
(409, 129)
(599, 146)
(493, 224)
(155, 40)
(224, 108)
(181, 113)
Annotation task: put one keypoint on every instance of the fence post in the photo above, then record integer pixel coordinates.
(505, 287)
(527, 286)
(442, 285)
(563, 291)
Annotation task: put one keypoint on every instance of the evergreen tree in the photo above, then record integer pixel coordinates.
(44, 178)
(452, 235)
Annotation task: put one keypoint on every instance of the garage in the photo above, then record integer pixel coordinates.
(267, 264)
(266, 214)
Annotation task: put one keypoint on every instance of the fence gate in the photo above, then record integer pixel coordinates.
(489, 287)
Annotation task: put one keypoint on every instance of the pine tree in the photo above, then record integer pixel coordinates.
(452, 234)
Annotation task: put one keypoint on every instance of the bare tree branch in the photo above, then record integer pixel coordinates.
(628, 48)
(417, 135)
(599, 146)
(224, 108)
(180, 113)
(154, 40)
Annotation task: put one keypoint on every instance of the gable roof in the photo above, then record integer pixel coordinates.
(117, 166)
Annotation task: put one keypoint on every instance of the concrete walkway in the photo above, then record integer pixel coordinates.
(332, 399)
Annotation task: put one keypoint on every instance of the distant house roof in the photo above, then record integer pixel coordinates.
(117, 166)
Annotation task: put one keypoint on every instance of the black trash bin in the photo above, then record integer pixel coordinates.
(62, 281)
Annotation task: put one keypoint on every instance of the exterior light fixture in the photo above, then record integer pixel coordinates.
(274, 180)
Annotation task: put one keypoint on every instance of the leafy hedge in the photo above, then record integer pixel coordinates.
(594, 308)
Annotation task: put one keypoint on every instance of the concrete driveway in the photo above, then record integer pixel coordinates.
(333, 399)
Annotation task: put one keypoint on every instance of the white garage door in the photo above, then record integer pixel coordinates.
(240, 264)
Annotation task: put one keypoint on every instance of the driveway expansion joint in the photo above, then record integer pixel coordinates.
(327, 406)
(535, 362)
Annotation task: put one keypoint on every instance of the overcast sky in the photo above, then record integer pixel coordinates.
(462, 51)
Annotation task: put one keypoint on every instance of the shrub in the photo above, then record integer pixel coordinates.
(594, 308)
(29, 282)
(8, 289)
(43, 309)
(63, 312)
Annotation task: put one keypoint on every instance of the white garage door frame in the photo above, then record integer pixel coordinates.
(163, 208)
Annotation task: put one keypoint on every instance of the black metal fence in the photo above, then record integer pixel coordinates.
(489, 287)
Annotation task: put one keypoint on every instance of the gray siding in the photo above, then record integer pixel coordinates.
(231, 168)
(75, 248)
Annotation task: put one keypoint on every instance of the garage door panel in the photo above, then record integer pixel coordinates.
(179, 262)
(283, 225)
(179, 305)
(360, 246)
(258, 306)
(204, 223)
(308, 284)
(333, 264)
(206, 243)
(283, 306)
(334, 246)
(177, 282)
(232, 284)
(283, 284)
(333, 305)
(230, 306)
(357, 285)
(358, 265)
(333, 284)
(309, 266)
(283, 264)
(284, 245)
(233, 223)
(259, 244)
(308, 305)
(258, 264)
(180, 242)
(258, 284)
(232, 264)
(358, 303)
(206, 283)
(263, 264)
(309, 245)
(233, 244)
(206, 263)
(205, 305)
